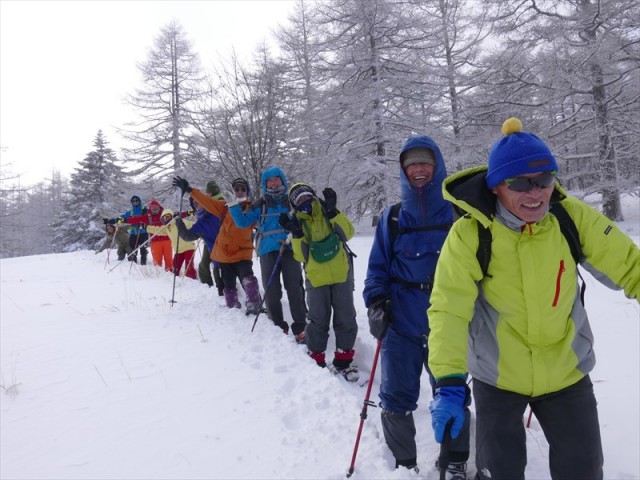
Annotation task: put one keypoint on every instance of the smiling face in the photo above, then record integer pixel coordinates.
(273, 183)
(529, 206)
(419, 174)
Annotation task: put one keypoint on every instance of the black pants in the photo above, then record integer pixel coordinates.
(569, 420)
(233, 271)
(134, 242)
(204, 270)
(291, 272)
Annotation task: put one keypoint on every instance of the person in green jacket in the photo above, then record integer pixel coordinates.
(121, 240)
(521, 330)
(319, 234)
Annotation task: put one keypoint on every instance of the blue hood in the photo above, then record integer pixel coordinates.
(137, 210)
(270, 173)
(427, 201)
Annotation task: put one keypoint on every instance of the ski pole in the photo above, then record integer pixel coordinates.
(136, 249)
(175, 274)
(266, 289)
(145, 242)
(443, 459)
(367, 403)
(113, 241)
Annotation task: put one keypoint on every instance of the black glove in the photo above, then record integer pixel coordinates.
(111, 221)
(105, 221)
(182, 184)
(379, 314)
(330, 200)
(292, 224)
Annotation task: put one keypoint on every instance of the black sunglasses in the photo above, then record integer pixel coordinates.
(135, 201)
(526, 184)
(240, 188)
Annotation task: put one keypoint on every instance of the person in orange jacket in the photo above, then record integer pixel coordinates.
(233, 248)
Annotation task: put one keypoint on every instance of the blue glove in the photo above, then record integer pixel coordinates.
(448, 403)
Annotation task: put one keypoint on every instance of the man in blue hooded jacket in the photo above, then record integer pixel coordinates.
(271, 237)
(137, 234)
(397, 290)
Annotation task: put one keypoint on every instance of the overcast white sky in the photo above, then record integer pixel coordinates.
(66, 66)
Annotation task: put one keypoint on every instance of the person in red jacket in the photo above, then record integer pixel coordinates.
(161, 250)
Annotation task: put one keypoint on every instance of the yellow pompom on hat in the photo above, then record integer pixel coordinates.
(518, 153)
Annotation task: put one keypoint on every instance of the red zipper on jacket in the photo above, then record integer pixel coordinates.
(560, 272)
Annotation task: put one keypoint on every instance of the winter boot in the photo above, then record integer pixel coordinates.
(410, 464)
(319, 358)
(251, 288)
(342, 365)
(455, 471)
(231, 297)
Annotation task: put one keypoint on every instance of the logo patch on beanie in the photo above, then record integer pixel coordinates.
(539, 163)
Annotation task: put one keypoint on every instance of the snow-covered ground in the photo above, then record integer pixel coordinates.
(102, 378)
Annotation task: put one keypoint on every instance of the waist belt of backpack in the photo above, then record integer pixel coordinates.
(426, 287)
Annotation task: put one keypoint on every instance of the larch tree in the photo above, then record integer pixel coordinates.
(158, 141)
(248, 118)
(600, 43)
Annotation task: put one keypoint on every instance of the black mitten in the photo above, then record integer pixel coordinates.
(379, 314)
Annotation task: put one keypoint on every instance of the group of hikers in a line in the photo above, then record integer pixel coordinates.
(492, 299)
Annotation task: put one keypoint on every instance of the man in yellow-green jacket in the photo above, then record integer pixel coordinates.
(319, 234)
(521, 330)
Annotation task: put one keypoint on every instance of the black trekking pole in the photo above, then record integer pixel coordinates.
(445, 448)
(363, 414)
(173, 260)
(266, 289)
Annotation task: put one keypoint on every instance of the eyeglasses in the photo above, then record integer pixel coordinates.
(135, 200)
(526, 184)
(240, 189)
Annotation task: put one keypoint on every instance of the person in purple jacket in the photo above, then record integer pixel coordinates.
(206, 227)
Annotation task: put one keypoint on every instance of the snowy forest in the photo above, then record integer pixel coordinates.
(335, 92)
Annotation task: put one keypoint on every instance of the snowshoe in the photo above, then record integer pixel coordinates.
(350, 373)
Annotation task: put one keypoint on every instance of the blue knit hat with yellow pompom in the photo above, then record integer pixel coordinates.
(518, 153)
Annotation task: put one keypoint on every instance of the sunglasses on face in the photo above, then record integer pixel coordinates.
(526, 184)
(135, 201)
(240, 189)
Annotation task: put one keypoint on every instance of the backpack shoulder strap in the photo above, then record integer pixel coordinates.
(483, 254)
(571, 235)
(394, 223)
(569, 230)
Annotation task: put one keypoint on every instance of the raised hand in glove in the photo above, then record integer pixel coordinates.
(291, 224)
(379, 314)
(330, 200)
(112, 221)
(182, 184)
(447, 405)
